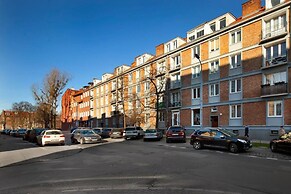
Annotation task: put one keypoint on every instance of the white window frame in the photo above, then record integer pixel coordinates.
(214, 90)
(236, 62)
(272, 47)
(176, 61)
(235, 111)
(237, 86)
(196, 71)
(196, 93)
(214, 45)
(274, 104)
(213, 67)
(195, 50)
(237, 37)
(193, 117)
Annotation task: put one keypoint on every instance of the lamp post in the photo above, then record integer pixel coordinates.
(201, 90)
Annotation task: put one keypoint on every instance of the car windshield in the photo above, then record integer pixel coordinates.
(53, 132)
(97, 130)
(228, 133)
(129, 129)
(176, 129)
(88, 132)
(150, 131)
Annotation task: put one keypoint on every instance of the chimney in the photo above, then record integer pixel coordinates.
(250, 7)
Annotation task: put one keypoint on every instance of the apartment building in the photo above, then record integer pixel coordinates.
(228, 72)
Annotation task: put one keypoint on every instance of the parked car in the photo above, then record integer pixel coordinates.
(20, 132)
(13, 132)
(152, 134)
(26, 135)
(133, 132)
(282, 144)
(51, 136)
(34, 133)
(106, 132)
(85, 136)
(219, 138)
(98, 131)
(176, 133)
(116, 133)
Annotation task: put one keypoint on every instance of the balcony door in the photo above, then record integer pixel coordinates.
(175, 118)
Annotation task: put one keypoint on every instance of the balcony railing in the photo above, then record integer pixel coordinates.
(278, 88)
(269, 33)
(176, 84)
(276, 61)
(175, 104)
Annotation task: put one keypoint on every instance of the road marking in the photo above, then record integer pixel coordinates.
(268, 158)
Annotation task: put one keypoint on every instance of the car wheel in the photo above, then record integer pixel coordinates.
(233, 148)
(273, 147)
(82, 141)
(197, 145)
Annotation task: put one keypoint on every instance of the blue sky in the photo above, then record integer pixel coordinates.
(86, 38)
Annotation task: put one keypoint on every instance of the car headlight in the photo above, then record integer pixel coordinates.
(87, 138)
(242, 141)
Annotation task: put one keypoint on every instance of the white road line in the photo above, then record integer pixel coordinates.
(272, 158)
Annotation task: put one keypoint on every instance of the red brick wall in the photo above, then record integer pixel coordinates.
(224, 67)
(224, 117)
(186, 76)
(252, 86)
(224, 44)
(250, 7)
(186, 97)
(251, 35)
(254, 113)
(186, 58)
(224, 91)
(160, 49)
(252, 60)
(185, 117)
(287, 111)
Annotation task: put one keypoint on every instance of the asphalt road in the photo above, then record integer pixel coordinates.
(147, 167)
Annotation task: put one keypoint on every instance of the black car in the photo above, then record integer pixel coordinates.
(282, 144)
(176, 133)
(219, 138)
(106, 132)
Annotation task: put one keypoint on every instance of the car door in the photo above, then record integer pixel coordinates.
(204, 136)
(220, 139)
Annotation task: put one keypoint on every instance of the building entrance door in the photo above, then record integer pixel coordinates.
(214, 121)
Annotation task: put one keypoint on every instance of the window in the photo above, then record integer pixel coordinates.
(235, 37)
(214, 90)
(168, 47)
(195, 93)
(275, 25)
(214, 45)
(222, 23)
(161, 83)
(275, 109)
(129, 90)
(275, 51)
(137, 104)
(147, 86)
(147, 102)
(147, 118)
(235, 111)
(137, 75)
(176, 61)
(137, 88)
(161, 116)
(213, 67)
(200, 33)
(175, 97)
(213, 27)
(161, 67)
(147, 71)
(196, 50)
(275, 78)
(235, 86)
(175, 43)
(235, 61)
(195, 117)
(130, 77)
(196, 71)
(191, 38)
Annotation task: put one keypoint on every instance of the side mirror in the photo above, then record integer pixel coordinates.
(222, 137)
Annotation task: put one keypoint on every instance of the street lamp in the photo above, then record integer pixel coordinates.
(201, 90)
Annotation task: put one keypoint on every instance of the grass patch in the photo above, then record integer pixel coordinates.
(259, 144)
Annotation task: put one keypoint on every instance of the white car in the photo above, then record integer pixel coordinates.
(51, 136)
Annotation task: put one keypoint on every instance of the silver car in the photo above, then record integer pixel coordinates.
(85, 136)
(153, 134)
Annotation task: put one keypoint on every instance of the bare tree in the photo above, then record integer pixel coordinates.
(47, 96)
(158, 81)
